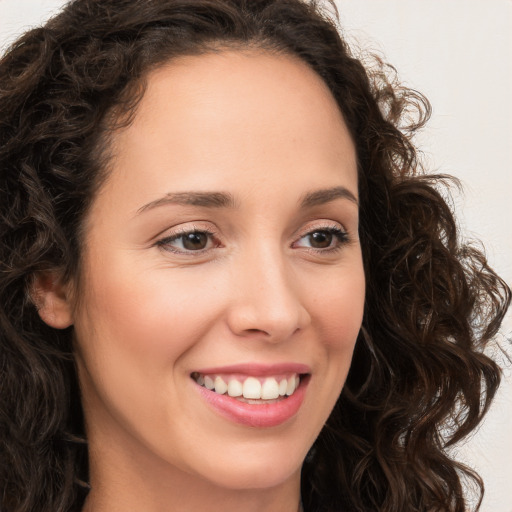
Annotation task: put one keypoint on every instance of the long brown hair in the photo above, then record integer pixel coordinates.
(419, 380)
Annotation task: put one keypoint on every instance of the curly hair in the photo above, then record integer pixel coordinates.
(419, 381)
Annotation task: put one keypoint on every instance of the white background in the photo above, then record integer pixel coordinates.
(459, 54)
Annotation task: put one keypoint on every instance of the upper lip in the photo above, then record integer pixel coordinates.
(257, 369)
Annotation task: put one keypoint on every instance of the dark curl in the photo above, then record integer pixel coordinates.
(419, 380)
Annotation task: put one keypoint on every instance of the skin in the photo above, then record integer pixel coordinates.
(265, 130)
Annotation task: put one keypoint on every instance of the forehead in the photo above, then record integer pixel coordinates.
(227, 121)
(230, 98)
(228, 80)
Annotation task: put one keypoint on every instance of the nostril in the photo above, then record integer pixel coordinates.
(268, 318)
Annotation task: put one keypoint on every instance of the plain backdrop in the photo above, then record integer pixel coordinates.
(459, 54)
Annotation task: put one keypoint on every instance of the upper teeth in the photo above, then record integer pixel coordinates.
(266, 388)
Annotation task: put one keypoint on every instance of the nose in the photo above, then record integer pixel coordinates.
(266, 301)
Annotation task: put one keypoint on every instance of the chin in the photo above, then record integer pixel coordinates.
(267, 470)
(266, 476)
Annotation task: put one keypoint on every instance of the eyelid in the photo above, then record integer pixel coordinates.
(164, 241)
(335, 228)
(319, 225)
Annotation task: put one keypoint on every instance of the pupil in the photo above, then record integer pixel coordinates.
(195, 241)
(321, 239)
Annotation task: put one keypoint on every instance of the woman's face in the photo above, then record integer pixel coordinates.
(222, 251)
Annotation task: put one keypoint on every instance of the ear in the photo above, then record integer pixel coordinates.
(52, 299)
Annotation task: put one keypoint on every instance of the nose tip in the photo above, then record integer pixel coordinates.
(273, 324)
(267, 304)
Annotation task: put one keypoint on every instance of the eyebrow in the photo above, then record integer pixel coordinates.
(327, 195)
(226, 200)
(204, 199)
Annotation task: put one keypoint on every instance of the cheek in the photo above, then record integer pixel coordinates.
(338, 309)
(337, 314)
(147, 315)
(132, 335)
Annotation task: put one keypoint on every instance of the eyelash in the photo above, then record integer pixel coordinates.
(339, 234)
(165, 243)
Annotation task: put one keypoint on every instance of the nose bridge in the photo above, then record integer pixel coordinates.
(267, 298)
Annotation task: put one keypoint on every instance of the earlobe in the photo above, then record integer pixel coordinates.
(52, 300)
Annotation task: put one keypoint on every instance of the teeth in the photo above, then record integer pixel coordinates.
(282, 387)
(208, 382)
(235, 388)
(252, 388)
(220, 386)
(270, 389)
(290, 388)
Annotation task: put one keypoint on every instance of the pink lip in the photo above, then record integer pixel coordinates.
(255, 415)
(257, 370)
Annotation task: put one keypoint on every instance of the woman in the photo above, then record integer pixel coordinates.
(225, 281)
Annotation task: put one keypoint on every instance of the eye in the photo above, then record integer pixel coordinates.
(323, 239)
(188, 241)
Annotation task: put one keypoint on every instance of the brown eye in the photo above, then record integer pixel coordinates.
(323, 240)
(195, 241)
(320, 239)
(191, 241)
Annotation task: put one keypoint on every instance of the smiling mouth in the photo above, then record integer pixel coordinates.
(249, 389)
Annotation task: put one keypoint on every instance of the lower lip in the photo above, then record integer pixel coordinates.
(256, 415)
